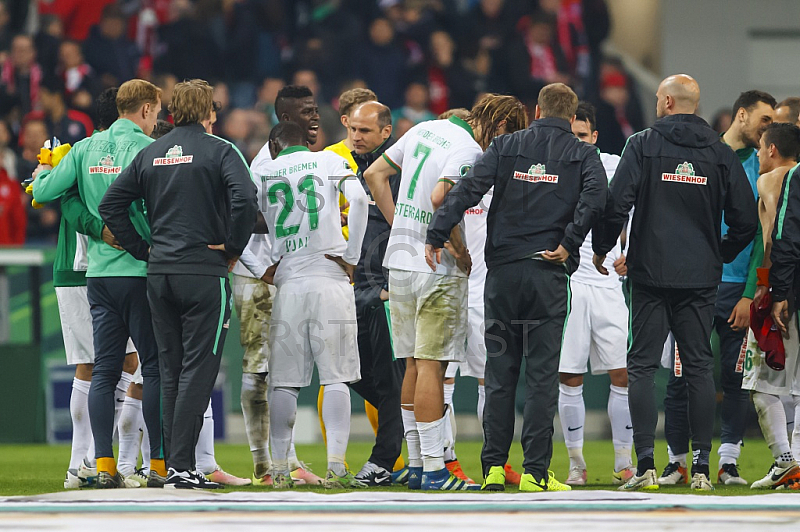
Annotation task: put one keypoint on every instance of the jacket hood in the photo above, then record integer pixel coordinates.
(686, 130)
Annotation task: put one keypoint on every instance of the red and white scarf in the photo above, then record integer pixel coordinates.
(8, 78)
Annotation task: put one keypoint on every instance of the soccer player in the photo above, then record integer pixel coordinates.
(115, 279)
(253, 300)
(187, 179)
(777, 155)
(665, 295)
(596, 331)
(788, 111)
(548, 189)
(313, 317)
(429, 308)
(752, 113)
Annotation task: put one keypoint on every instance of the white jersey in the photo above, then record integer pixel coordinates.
(475, 229)
(298, 194)
(255, 258)
(586, 272)
(428, 153)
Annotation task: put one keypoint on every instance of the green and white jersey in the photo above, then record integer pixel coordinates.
(94, 163)
(298, 194)
(433, 151)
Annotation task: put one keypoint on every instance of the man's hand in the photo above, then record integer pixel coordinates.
(598, 261)
(221, 247)
(269, 275)
(780, 315)
(433, 256)
(342, 214)
(384, 295)
(110, 239)
(621, 266)
(761, 291)
(348, 268)
(740, 316)
(463, 258)
(559, 256)
(39, 169)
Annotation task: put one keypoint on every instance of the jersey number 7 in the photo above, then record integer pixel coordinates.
(421, 152)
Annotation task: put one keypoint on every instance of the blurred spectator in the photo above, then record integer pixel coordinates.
(616, 118)
(5, 27)
(13, 220)
(721, 121)
(47, 42)
(382, 63)
(8, 159)
(240, 51)
(485, 31)
(449, 84)
(238, 128)
(21, 74)
(401, 126)
(110, 53)
(328, 117)
(74, 71)
(67, 125)
(42, 223)
(416, 105)
(166, 82)
(265, 102)
(186, 49)
(78, 16)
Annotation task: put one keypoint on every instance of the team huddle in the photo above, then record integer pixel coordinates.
(471, 242)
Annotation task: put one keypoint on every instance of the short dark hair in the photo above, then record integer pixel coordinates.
(288, 134)
(557, 101)
(105, 108)
(748, 99)
(585, 113)
(785, 137)
(290, 92)
(162, 128)
(384, 117)
(793, 103)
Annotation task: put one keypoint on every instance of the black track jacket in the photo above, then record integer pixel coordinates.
(680, 178)
(197, 190)
(549, 188)
(785, 253)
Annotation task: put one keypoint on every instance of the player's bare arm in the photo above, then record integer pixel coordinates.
(377, 178)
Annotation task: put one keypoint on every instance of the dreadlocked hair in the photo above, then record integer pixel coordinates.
(491, 109)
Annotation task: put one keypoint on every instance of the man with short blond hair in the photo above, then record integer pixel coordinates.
(116, 284)
(201, 203)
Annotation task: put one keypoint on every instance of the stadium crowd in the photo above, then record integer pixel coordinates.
(447, 227)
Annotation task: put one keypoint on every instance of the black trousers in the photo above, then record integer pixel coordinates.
(526, 305)
(381, 376)
(190, 320)
(688, 313)
(119, 311)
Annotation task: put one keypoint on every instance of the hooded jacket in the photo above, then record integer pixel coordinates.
(680, 178)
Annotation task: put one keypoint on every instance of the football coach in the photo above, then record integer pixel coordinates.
(201, 205)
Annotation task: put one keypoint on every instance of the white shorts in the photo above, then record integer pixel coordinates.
(429, 315)
(76, 324)
(253, 301)
(759, 377)
(596, 331)
(313, 322)
(475, 363)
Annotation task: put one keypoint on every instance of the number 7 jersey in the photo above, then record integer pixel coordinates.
(298, 194)
(433, 151)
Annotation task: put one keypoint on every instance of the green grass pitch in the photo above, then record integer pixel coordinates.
(33, 469)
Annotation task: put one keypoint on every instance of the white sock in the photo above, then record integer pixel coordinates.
(772, 418)
(481, 403)
(120, 393)
(205, 462)
(680, 458)
(450, 426)
(145, 447)
(431, 443)
(91, 461)
(572, 413)
(282, 413)
(729, 453)
(796, 431)
(256, 420)
(130, 435)
(620, 416)
(336, 416)
(412, 438)
(81, 427)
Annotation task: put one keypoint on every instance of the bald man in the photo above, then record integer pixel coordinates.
(788, 111)
(370, 132)
(680, 178)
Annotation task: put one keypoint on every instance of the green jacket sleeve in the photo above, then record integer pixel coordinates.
(51, 185)
(756, 260)
(79, 217)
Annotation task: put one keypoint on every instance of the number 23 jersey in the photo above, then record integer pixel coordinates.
(298, 194)
(432, 151)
